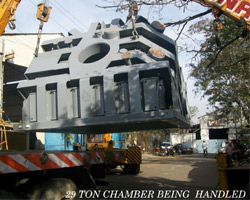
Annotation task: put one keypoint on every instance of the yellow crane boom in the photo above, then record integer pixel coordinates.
(7, 13)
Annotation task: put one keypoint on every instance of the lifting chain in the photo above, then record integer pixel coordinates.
(42, 14)
(133, 11)
(38, 38)
(246, 30)
(217, 24)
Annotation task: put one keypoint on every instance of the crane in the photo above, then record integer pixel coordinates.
(43, 13)
(7, 14)
(238, 10)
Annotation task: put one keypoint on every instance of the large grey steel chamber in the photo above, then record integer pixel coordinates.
(105, 80)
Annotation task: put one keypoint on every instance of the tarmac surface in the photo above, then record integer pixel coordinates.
(179, 177)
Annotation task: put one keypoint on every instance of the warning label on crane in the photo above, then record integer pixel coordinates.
(234, 8)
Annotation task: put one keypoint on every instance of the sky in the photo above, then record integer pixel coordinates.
(79, 14)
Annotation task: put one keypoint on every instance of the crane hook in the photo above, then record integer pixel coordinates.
(12, 25)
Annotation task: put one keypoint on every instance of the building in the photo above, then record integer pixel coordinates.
(17, 51)
(212, 129)
(215, 130)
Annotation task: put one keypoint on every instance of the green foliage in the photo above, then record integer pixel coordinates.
(223, 72)
(67, 137)
(193, 110)
(148, 139)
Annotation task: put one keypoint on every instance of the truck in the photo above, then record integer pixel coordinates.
(61, 96)
(128, 158)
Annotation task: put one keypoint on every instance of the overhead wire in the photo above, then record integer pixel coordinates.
(51, 18)
(18, 42)
(21, 41)
(65, 15)
(59, 24)
(30, 39)
(66, 11)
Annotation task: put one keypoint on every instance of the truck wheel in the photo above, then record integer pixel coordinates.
(126, 169)
(135, 169)
(131, 169)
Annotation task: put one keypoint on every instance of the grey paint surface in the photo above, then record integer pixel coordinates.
(104, 80)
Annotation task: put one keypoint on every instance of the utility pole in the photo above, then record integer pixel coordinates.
(1, 78)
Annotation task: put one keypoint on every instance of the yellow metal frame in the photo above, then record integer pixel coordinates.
(234, 9)
(3, 134)
(104, 144)
(7, 12)
(43, 12)
(131, 155)
(222, 175)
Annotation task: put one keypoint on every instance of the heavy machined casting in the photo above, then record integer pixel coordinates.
(105, 80)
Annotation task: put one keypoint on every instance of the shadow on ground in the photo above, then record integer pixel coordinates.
(179, 174)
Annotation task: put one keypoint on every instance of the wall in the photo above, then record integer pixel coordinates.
(24, 45)
(119, 140)
(212, 145)
(41, 136)
(204, 128)
(56, 141)
(209, 124)
(188, 138)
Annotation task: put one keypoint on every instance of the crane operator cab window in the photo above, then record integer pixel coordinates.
(94, 138)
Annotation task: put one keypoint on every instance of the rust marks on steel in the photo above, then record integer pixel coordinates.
(157, 53)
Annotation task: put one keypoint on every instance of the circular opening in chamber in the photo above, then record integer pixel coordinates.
(94, 53)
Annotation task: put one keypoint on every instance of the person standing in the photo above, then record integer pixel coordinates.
(238, 150)
(229, 152)
(204, 147)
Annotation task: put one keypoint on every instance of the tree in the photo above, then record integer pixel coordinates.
(193, 110)
(67, 138)
(222, 72)
(147, 139)
(155, 6)
(223, 64)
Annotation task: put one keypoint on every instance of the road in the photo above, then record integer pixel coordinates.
(182, 172)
